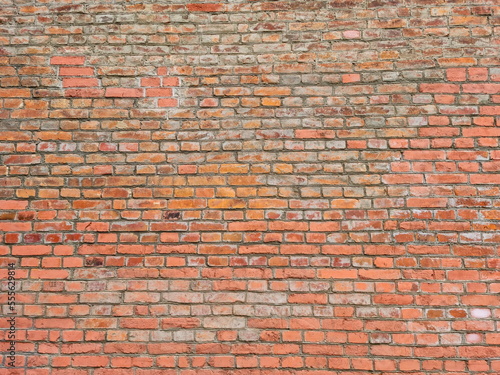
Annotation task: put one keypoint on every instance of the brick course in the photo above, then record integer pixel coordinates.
(251, 187)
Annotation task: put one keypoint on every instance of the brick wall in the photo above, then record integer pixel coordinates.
(251, 187)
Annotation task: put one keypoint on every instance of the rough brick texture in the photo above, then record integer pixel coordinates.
(251, 187)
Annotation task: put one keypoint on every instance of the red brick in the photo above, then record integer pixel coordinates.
(168, 102)
(478, 74)
(161, 92)
(67, 60)
(22, 159)
(308, 298)
(117, 92)
(80, 82)
(348, 78)
(61, 323)
(272, 91)
(447, 88)
(139, 323)
(15, 93)
(456, 74)
(427, 202)
(205, 7)
(170, 81)
(32, 250)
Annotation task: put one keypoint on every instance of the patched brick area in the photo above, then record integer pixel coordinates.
(251, 187)
(81, 82)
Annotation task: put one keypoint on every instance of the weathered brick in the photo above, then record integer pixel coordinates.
(76, 71)
(205, 7)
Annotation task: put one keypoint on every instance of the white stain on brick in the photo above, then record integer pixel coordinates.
(480, 313)
(473, 338)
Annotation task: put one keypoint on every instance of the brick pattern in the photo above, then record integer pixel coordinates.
(81, 82)
(251, 187)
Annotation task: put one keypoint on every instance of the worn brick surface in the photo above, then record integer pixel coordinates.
(251, 187)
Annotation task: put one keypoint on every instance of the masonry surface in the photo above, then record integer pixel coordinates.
(251, 187)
